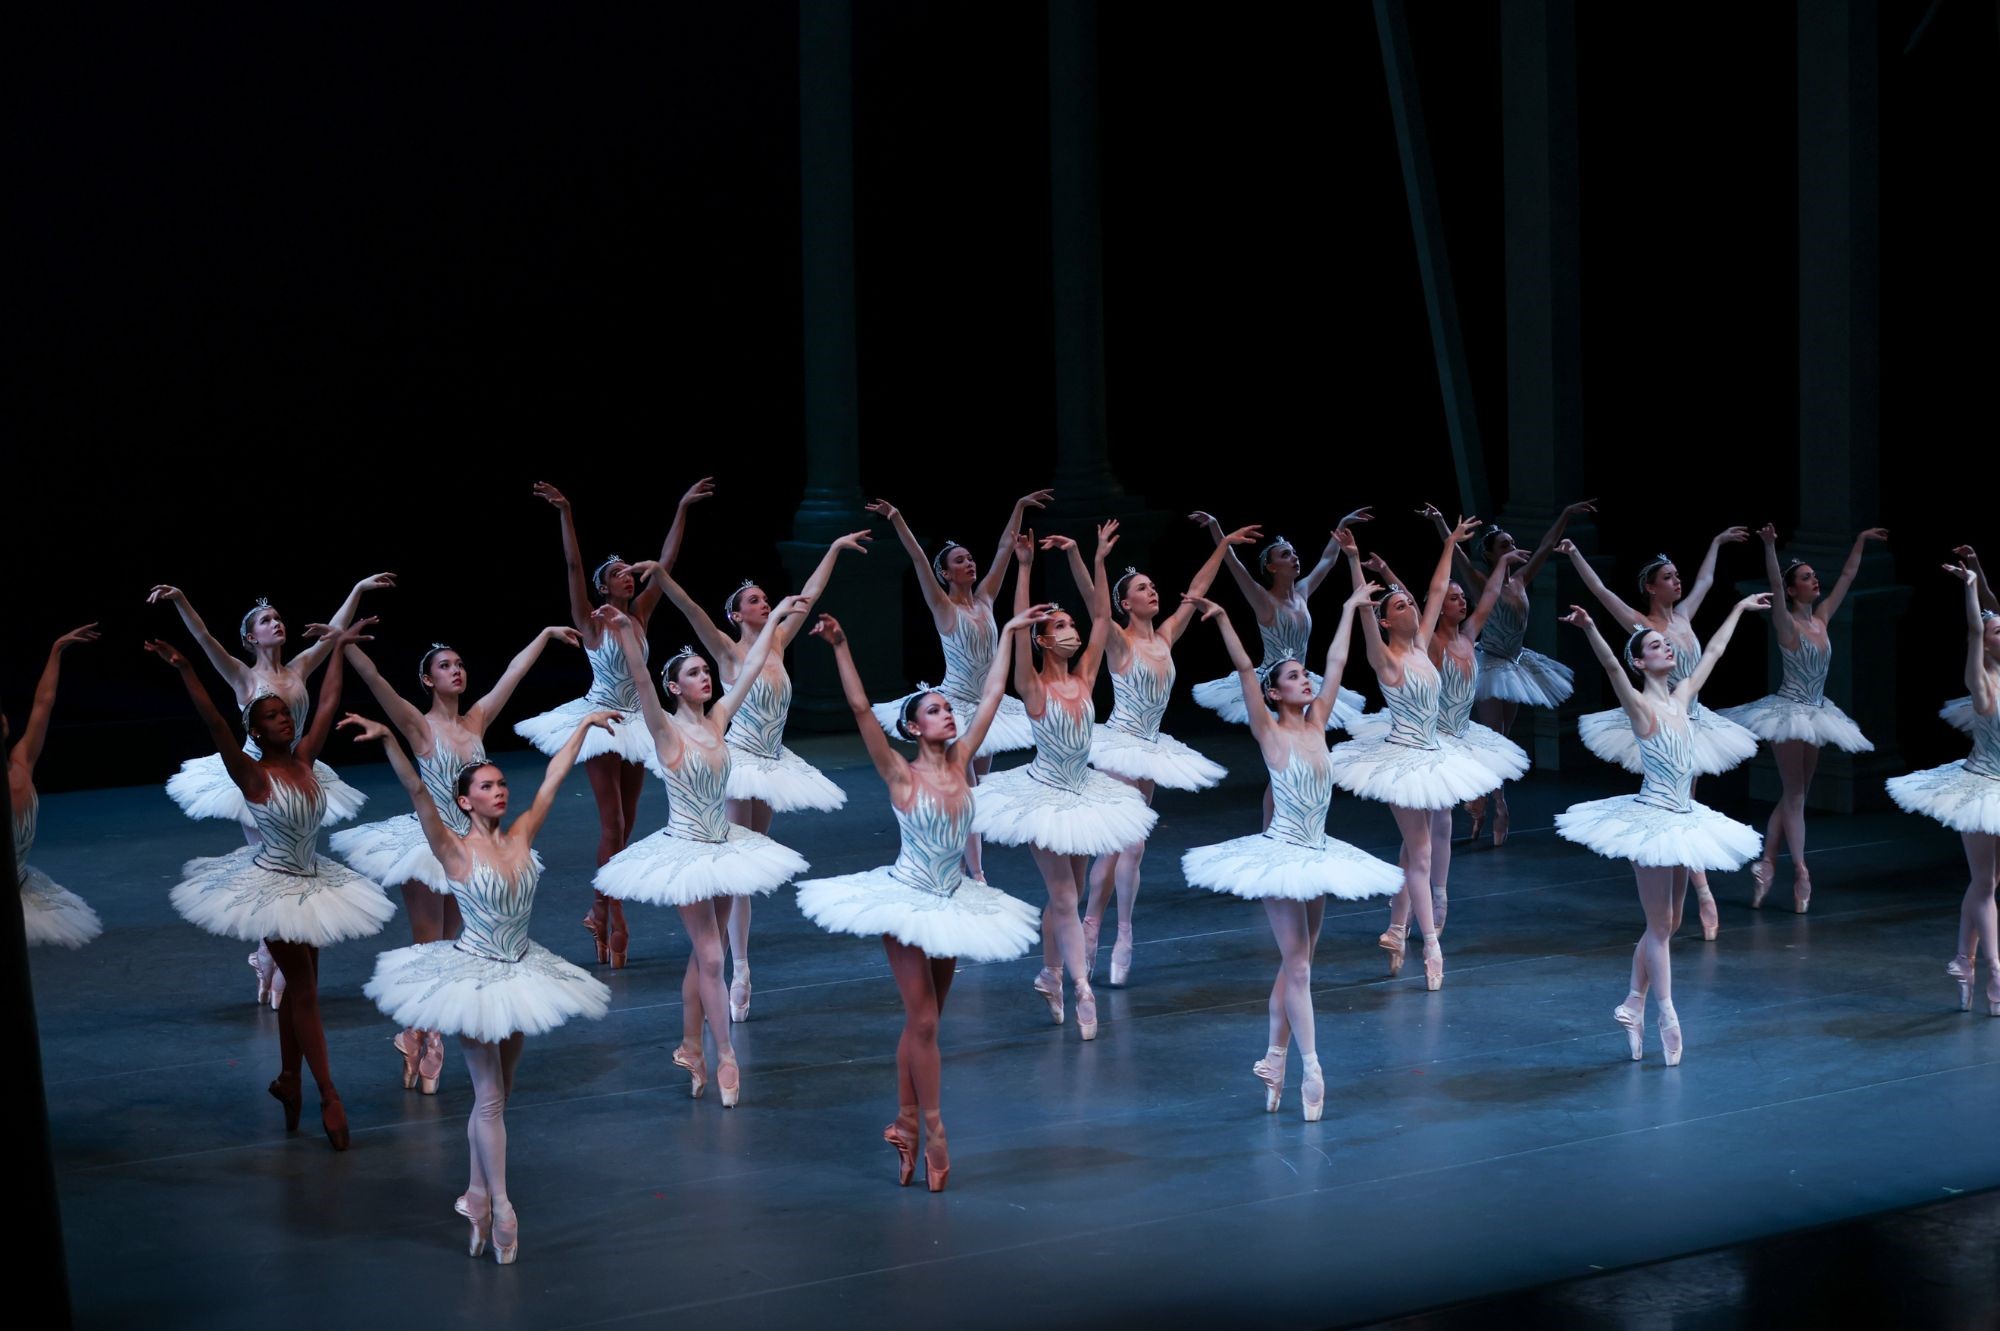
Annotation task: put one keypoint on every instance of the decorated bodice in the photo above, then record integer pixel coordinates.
(1413, 704)
(1299, 798)
(1062, 744)
(1455, 690)
(296, 696)
(25, 816)
(758, 728)
(1805, 670)
(695, 793)
(1139, 698)
(439, 770)
(1666, 765)
(968, 654)
(1985, 756)
(1506, 628)
(288, 821)
(495, 909)
(933, 855)
(1286, 636)
(611, 683)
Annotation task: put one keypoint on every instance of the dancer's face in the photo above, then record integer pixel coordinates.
(1059, 635)
(1655, 655)
(619, 584)
(266, 629)
(1289, 683)
(1665, 585)
(753, 608)
(1142, 598)
(933, 721)
(960, 568)
(1399, 613)
(270, 722)
(446, 675)
(1454, 609)
(486, 794)
(1802, 585)
(1501, 543)
(1284, 560)
(692, 683)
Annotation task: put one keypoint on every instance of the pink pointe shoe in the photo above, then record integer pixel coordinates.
(1761, 872)
(1433, 964)
(1711, 919)
(1312, 1090)
(1121, 957)
(1801, 893)
(1270, 1073)
(697, 1068)
(1393, 941)
(260, 961)
(739, 992)
(479, 1212)
(1086, 1011)
(1633, 1020)
(506, 1234)
(1962, 969)
(1091, 928)
(1050, 986)
(409, 1046)
(430, 1066)
(1670, 1035)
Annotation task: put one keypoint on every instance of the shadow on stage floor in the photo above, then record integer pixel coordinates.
(1486, 1138)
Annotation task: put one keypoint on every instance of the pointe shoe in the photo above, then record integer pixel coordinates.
(616, 939)
(431, 1066)
(265, 967)
(1477, 810)
(1635, 1028)
(410, 1045)
(1761, 872)
(593, 924)
(937, 1154)
(277, 986)
(1121, 957)
(506, 1234)
(1962, 969)
(728, 1081)
(1670, 1037)
(902, 1134)
(1503, 819)
(1270, 1070)
(1711, 919)
(480, 1214)
(285, 1090)
(1801, 893)
(697, 1068)
(1433, 965)
(1086, 1011)
(1091, 928)
(1050, 986)
(1312, 1090)
(739, 992)
(1439, 903)
(1392, 941)
(333, 1118)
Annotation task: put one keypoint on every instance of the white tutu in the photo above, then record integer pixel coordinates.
(55, 916)
(669, 870)
(1407, 776)
(975, 923)
(1009, 732)
(1624, 828)
(629, 738)
(1955, 795)
(1776, 719)
(203, 789)
(439, 987)
(1492, 750)
(788, 783)
(1957, 714)
(1264, 866)
(1224, 697)
(1162, 760)
(236, 897)
(395, 851)
(1531, 679)
(1719, 743)
(1105, 816)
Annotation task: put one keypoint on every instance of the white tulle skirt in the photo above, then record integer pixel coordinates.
(1492, 750)
(53, 915)
(394, 851)
(1224, 697)
(1779, 720)
(1015, 809)
(788, 783)
(1961, 799)
(437, 987)
(1260, 866)
(1719, 743)
(1531, 679)
(1009, 733)
(235, 897)
(203, 789)
(1957, 714)
(628, 738)
(976, 923)
(668, 870)
(1622, 828)
(1370, 766)
(1163, 760)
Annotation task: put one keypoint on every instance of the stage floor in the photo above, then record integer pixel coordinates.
(1489, 1137)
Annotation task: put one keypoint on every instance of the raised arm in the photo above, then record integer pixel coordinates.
(1705, 577)
(942, 612)
(1978, 681)
(989, 586)
(27, 750)
(822, 574)
(1637, 709)
(1970, 558)
(1262, 604)
(1555, 533)
(1620, 612)
(1718, 643)
(1475, 580)
(308, 745)
(889, 765)
(530, 823)
(973, 735)
(1097, 592)
(579, 580)
(1176, 624)
(481, 713)
(714, 640)
(1336, 653)
(723, 708)
(670, 550)
(1781, 620)
(1371, 637)
(402, 713)
(232, 669)
(610, 620)
(1331, 555)
(1830, 603)
(244, 770)
(314, 656)
(444, 843)
(1489, 596)
(1262, 726)
(1026, 682)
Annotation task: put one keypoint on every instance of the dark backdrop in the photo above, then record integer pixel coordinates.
(297, 297)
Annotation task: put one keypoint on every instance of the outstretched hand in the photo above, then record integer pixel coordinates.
(1966, 554)
(1566, 547)
(1756, 601)
(1201, 518)
(1249, 535)
(1344, 538)
(563, 633)
(88, 633)
(366, 730)
(1768, 533)
(355, 632)
(792, 605)
(700, 490)
(1731, 535)
(1363, 594)
(882, 508)
(1064, 543)
(1875, 534)
(1024, 546)
(829, 629)
(1579, 508)
(1036, 499)
(856, 541)
(609, 618)
(545, 491)
(1578, 616)
(166, 652)
(1208, 609)
(1466, 529)
(1359, 515)
(1377, 565)
(1034, 614)
(605, 721)
(163, 592)
(1961, 572)
(376, 582)
(1107, 536)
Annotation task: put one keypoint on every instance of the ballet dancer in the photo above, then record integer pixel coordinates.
(395, 851)
(928, 913)
(1292, 866)
(279, 889)
(765, 777)
(52, 915)
(491, 985)
(1719, 743)
(1958, 712)
(700, 862)
(1056, 805)
(1965, 796)
(1405, 764)
(1797, 720)
(1662, 830)
(614, 758)
(1129, 745)
(961, 605)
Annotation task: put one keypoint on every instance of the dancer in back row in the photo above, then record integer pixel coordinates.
(52, 915)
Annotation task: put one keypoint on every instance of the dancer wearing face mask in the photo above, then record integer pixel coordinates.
(53, 915)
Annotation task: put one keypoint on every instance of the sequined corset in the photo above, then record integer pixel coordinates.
(1985, 756)
(695, 792)
(1139, 699)
(1666, 763)
(932, 857)
(1285, 637)
(24, 834)
(758, 728)
(495, 909)
(440, 769)
(1805, 672)
(1299, 798)
(1413, 704)
(288, 820)
(1062, 746)
(611, 686)
(1455, 689)
(968, 656)
(1505, 630)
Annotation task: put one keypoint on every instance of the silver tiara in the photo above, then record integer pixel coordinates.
(597, 576)
(258, 695)
(424, 664)
(729, 605)
(937, 560)
(263, 603)
(1264, 555)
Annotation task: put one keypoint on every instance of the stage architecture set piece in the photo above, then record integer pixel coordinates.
(1446, 653)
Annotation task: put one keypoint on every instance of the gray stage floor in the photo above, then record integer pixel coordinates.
(1488, 1137)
